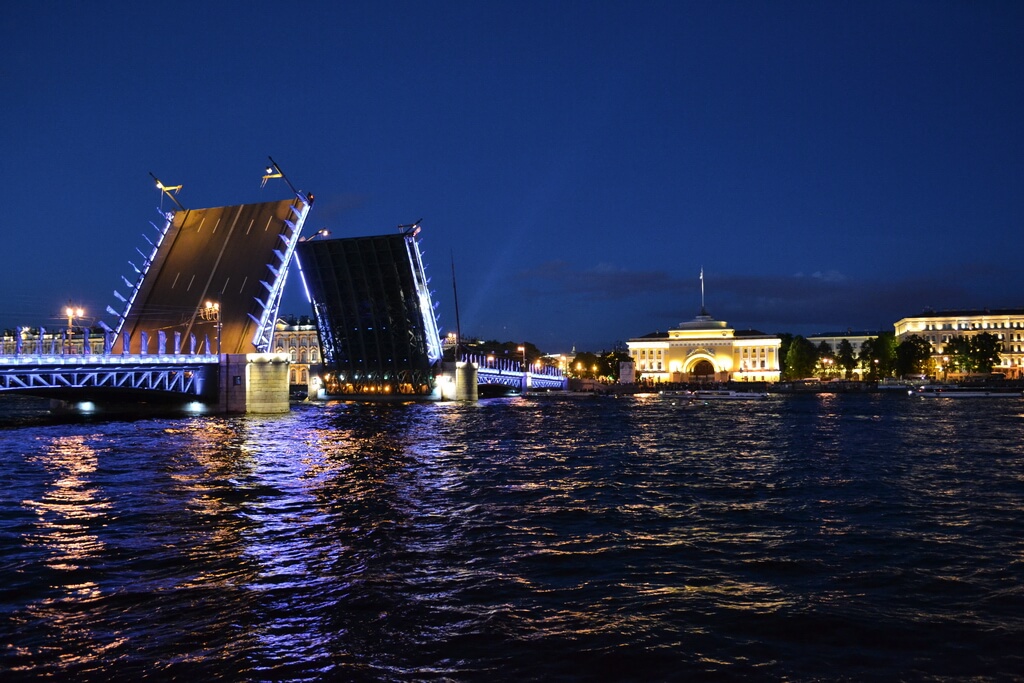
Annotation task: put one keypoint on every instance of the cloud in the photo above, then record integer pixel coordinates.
(560, 304)
(603, 282)
(827, 276)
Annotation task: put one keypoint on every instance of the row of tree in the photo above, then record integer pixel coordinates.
(878, 357)
(881, 357)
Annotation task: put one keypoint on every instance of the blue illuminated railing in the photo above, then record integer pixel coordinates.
(66, 374)
(108, 359)
(510, 373)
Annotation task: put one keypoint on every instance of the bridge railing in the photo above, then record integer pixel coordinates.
(90, 359)
(510, 373)
(510, 365)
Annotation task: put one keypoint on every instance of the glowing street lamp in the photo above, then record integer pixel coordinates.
(522, 349)
(211, 312)
(72, 312)
(169, 190)
(322, 232)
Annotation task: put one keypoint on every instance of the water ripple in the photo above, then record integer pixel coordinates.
(813, 538)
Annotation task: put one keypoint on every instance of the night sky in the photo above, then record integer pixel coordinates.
(829, 165)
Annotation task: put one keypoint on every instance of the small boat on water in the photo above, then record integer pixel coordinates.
(889, 384)
(728, 395)
(955, 391)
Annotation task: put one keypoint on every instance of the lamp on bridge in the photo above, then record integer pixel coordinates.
(274, 171)
(522, 349)
(72, 312)
(322, 232)
(169, 190)
(211, 312)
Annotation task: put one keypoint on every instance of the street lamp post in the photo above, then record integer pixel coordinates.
(211, 313)
(525, 368)
(72, 312)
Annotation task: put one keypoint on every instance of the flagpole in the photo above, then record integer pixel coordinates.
(702, 289)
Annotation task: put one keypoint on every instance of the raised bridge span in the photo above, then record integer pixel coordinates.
(197, 321)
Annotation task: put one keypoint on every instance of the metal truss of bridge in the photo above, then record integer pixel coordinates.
(510, 374)
(94, 377)
(374, 314)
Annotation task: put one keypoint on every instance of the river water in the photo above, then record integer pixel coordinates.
(803, 538)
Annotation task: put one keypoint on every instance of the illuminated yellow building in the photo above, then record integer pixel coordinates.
(939, 327)
(706, 350)
(299, 339)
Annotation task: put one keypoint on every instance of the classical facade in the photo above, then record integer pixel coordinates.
(706, 350)
(298, 338)
(1006, 324)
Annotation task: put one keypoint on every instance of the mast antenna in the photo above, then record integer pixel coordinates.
(458, 327)
(702, 290)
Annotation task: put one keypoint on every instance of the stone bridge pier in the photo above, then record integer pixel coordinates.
(254, 383)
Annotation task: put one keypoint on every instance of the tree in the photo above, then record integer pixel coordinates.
(913, 355)
(958, 349)
(885, 352)
(826, 363)
(787, 339)
(800, 358)
(586, 364)
(846, 358)
(609, 363)
(878, 355)
(985, 350)
(866, 358)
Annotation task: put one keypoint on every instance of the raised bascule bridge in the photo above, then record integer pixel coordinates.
(196, 325)
(378, 327)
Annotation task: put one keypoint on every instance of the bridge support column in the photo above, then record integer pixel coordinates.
(458, 382)
(254, 383)
(465, 382)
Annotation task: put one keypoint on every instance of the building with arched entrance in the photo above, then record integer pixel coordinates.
(706, 350)
(299, 339)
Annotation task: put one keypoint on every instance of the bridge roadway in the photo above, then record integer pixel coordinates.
(510, 373)
(90, 377)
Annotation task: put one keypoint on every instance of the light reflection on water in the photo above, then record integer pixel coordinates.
(581, 539)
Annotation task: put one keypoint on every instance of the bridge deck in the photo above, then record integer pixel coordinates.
(236, 256)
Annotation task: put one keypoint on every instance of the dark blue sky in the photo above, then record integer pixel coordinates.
(830, 165)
